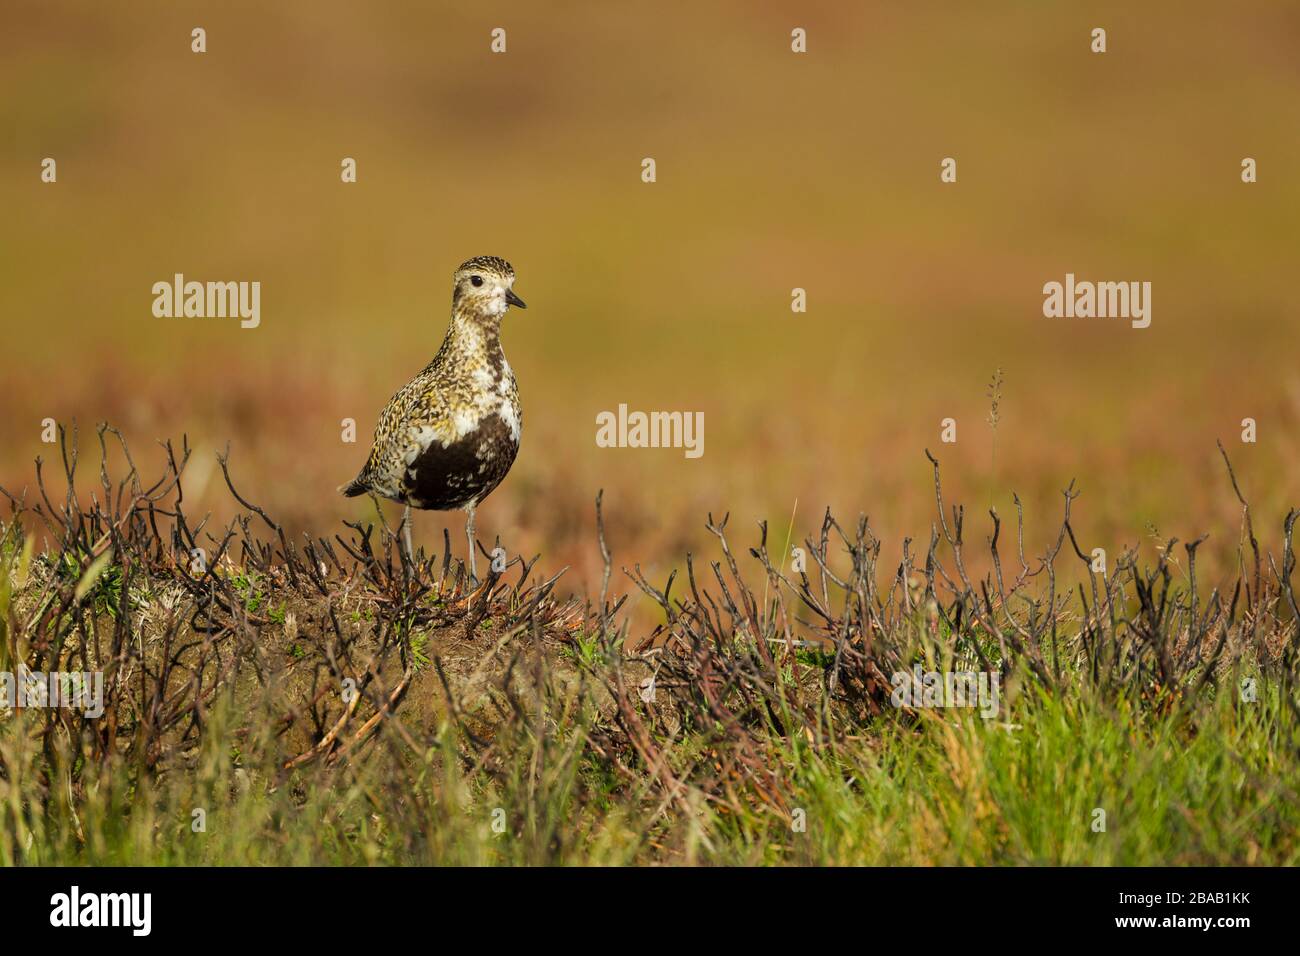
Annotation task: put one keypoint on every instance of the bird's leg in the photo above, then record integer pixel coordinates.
(469, 536)
(406, 533)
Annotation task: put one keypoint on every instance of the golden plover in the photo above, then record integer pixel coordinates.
(449, 435)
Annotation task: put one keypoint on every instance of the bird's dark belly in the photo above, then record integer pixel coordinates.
(464, 472)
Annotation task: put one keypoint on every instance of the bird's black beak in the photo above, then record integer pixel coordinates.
(514, 299)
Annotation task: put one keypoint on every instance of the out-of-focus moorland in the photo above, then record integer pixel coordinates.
(775, 171)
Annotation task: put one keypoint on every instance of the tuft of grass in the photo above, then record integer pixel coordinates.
(994, 418)
(1144, 721)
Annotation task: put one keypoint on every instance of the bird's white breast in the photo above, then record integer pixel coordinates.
(511, 417)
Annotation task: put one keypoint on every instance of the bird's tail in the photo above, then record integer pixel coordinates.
(357, 486)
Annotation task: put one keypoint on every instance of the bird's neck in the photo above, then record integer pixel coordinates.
(470, 338)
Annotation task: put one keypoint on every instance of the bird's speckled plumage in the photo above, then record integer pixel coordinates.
(448, 437)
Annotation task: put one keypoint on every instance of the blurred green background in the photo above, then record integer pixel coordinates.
(775, 170)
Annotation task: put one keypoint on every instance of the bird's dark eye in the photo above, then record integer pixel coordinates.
(477, 280)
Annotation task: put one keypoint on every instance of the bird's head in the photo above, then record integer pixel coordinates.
(482, 288)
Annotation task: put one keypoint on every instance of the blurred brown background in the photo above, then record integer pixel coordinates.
(775, 170)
